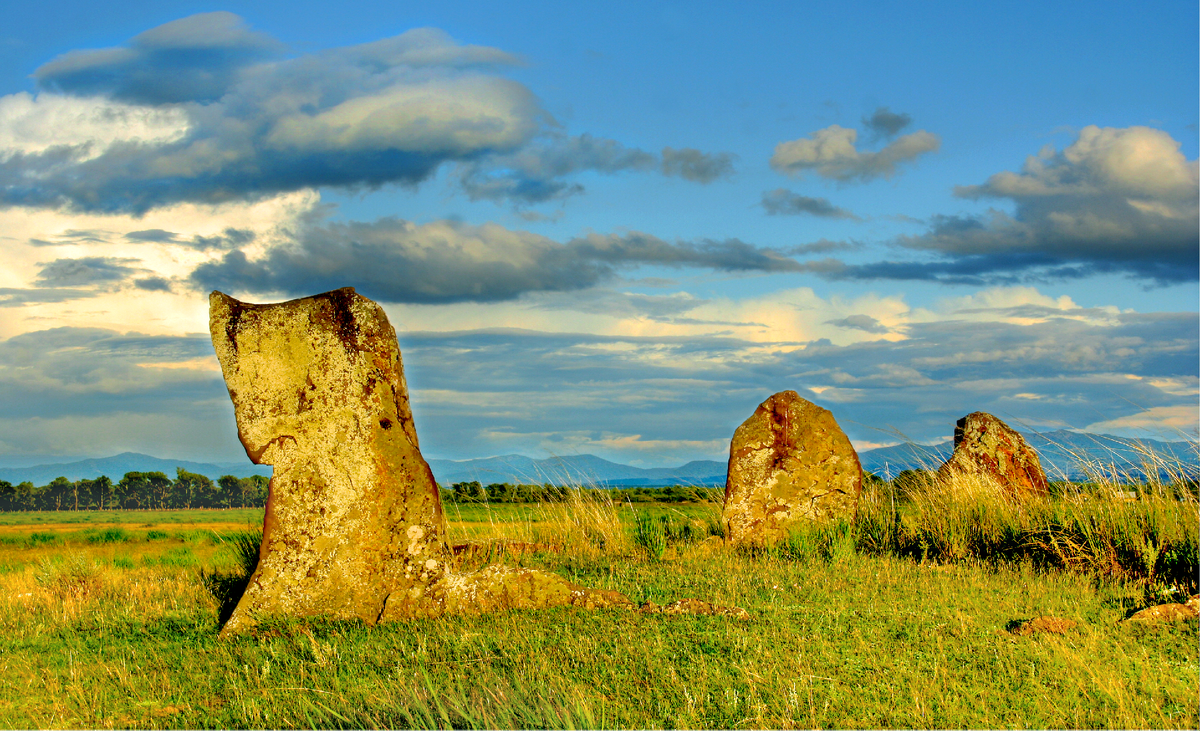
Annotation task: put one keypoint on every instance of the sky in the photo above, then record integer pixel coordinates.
(610, 229)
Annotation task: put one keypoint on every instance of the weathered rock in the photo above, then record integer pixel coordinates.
(985, 446)
(1040, 625)
(353, 512)
(1168, 612)
(354, 525)
(496, 588)
(788, 463)
(695, 607)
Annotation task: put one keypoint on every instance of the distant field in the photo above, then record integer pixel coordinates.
(131, 517)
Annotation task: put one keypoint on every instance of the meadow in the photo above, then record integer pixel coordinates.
(899, 619)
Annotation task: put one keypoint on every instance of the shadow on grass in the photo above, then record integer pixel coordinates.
(227, 588)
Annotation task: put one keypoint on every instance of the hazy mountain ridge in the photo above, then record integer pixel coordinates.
(116, 466)
(1062, 454)
(1060, 451)
(581, 469)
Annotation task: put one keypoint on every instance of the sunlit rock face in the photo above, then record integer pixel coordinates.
(354, 527)
(353, 513)
(986, 447)
(788, 463)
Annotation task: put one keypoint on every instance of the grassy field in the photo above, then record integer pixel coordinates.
(108, 623)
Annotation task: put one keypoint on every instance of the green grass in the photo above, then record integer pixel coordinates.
(842, 633)
(868, 642)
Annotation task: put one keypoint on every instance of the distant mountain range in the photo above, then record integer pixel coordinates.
(1063, 455)
(116, 467)
(579, 469)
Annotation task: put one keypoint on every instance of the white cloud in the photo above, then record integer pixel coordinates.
(33, 237)
(831, 153)
(1171, 423)
(1124, 200)
(90, 126)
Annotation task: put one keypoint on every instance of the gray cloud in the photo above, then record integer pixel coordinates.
(831, 153)
(88, 270)
(499, 391)
(153, 235)
(697, 166)
(447, 261)
(1116, 200)
(391, 111)
(885, 123)
(252, 121)
(821, 246)
(468, 387)
(75, 236)
(153, 284)
(537, 172)
(194, 59)
(782, 202)
(230, 238)
(88, 371)
(866, 323)
(17, 297)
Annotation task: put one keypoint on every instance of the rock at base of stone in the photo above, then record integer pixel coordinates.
(353, 513)
(986, 447)
(789, 463)
(498, 588)
(695, 607)
(1167, 612)
(1040, 625)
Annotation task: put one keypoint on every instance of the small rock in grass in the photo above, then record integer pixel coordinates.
(1039, 625)
(694, 606)
(1168, 612)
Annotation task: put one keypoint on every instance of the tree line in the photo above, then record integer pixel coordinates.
(504, 492)
(137, 491)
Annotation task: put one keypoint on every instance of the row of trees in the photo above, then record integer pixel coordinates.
(137, 491)
(503, 492)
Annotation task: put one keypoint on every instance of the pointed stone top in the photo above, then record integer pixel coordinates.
(985, 445)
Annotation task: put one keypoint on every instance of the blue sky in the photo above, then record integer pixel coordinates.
(612, 231)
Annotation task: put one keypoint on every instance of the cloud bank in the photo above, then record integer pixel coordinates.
(1115, 200)
(783, 202)
(205, 110)
(446, 261)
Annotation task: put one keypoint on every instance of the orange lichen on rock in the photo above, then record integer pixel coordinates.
(985, 446)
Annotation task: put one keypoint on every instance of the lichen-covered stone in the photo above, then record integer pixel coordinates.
(354, 527)
(788, 463)
(1168, 612)
(495, 588)
(986, 446)
(694, 607)
(353, 513)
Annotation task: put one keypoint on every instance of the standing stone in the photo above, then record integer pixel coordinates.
(354, 525)
(788, 463)
(984, 445)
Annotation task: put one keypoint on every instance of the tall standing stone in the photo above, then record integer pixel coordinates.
(354, 527)
(985, 446)
(353, 513)
(788, 463)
